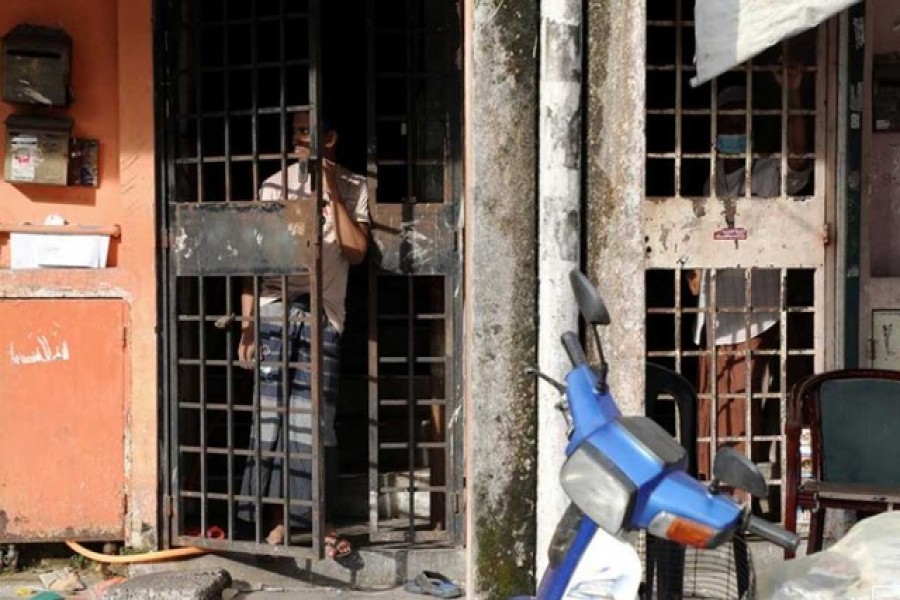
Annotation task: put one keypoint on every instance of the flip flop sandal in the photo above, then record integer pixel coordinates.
(337, 547)
(431, 583)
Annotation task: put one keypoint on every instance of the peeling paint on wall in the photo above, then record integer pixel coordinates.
(44, 352)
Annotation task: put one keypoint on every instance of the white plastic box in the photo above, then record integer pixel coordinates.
(43, 250)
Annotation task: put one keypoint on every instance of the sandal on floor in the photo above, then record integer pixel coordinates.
(337, 547)
(433, 584)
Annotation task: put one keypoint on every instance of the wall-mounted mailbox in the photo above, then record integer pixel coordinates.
(37, 66)
(37, 149)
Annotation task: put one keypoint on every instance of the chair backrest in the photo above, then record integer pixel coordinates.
(664, 381)
(857, 415)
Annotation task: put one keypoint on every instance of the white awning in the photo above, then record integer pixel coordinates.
(731, 31)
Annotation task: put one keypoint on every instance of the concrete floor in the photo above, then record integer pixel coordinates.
(269, 578)
(12, 587)
(376, 574)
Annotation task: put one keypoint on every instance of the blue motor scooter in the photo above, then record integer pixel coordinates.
(626, 474)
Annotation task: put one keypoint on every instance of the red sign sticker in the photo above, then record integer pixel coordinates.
(730, 233)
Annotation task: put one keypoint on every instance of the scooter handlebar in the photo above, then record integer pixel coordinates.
(773, 532)
(573, 349)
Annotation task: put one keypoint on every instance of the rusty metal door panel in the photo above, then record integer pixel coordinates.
(62, 406)
(679, 230)
(244, 238)
(415, 238)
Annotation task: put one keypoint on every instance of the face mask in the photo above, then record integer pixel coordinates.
(734, 143)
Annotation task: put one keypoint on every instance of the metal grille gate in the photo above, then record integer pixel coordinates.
(233, 72)
(415, 435)
(233, 76)
(736, 244)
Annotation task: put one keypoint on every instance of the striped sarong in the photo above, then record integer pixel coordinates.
(271, 427)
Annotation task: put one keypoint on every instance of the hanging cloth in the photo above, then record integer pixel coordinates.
(730, 32)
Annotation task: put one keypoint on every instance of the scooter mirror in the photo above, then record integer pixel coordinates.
(589, 302)
(734, 469)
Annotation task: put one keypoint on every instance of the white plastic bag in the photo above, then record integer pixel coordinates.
(860, 566)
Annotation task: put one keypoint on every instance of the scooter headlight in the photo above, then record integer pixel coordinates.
(598, 488)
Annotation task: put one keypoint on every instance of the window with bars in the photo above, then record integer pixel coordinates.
(684, 123)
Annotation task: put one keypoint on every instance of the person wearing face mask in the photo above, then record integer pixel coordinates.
(730, 333)
(345, 238)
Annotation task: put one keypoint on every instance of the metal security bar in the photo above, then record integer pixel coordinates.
(681, 335)
(234, 74)
(734, 222)
(415, 448)
(683, 122)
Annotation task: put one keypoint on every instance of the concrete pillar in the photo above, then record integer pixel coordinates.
(615, 187)
(559, 241)
(501, 274)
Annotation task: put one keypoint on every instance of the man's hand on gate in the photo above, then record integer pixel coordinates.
(693, 279)
(247, 348)
(791, 77)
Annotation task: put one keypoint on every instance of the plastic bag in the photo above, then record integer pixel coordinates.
(861, 565)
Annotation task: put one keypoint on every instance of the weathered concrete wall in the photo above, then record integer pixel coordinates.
(501, 285)
(615, 186)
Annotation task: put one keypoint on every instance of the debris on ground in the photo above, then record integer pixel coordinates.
(64, 581)
(97, 591)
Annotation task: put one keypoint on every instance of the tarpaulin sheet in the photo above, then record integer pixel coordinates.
(730, 32)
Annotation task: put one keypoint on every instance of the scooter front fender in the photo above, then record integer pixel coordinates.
(597, 564)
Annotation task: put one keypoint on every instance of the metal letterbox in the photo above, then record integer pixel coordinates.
(37, 149)
(37, 65)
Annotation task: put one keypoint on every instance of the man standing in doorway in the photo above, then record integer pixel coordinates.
(345, 237)
(737, 337)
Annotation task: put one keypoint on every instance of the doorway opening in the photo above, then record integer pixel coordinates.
(386, 78)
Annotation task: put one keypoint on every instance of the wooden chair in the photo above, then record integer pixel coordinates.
(854, 421)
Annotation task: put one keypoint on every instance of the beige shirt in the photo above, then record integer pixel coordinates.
(335, 265)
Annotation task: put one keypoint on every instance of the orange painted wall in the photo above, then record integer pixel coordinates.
(113, 86)
(92, 26)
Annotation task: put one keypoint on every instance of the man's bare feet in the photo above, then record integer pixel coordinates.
(276, 536)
